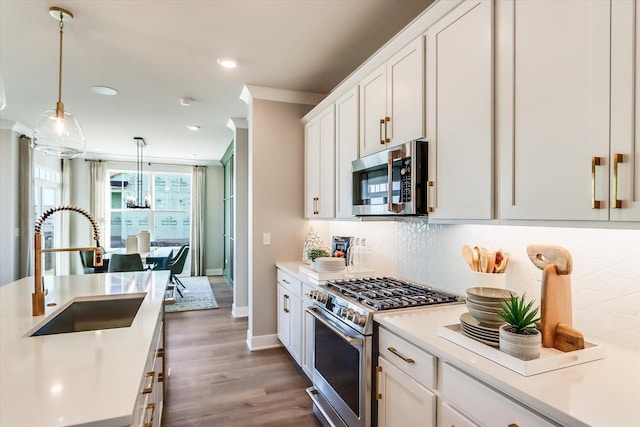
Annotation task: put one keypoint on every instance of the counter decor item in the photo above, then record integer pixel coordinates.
(325, 264)
(314, 253)
(311, 241)
(132, 244)
(519, 336)
(144, 242)
(340, 247)
(488, 268)
(555, 301)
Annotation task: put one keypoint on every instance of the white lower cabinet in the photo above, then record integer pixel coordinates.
(483, 404)
(402, 401)
(149, 404)
(405, 383)
(452, 418)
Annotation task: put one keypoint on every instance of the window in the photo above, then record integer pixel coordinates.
(47, 190)
(168, 216)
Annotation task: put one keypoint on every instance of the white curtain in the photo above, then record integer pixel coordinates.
(197, 220)
(26, 205)
(98, 196)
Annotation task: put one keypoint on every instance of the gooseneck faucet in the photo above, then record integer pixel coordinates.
(37, 298)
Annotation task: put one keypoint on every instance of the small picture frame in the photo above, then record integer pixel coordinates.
(339, 247)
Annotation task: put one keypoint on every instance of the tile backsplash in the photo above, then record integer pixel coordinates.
(606, 265)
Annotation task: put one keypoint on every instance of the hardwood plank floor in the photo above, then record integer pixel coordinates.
(216, 381)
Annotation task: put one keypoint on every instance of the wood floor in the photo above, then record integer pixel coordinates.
(216, 381)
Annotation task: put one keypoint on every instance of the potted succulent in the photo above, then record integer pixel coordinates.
(519, 336)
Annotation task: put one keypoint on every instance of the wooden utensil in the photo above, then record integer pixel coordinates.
(568, 338)
(491, 265)
(467, 254)
(555, 295)
(502, 259)
(484, 260)
(476, 258)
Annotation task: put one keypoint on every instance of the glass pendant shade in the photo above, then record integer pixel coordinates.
(61, 137)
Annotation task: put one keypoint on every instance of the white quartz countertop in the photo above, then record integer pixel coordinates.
(74, 378)
(599, 393)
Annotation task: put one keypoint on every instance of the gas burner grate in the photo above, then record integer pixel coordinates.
(386, 293)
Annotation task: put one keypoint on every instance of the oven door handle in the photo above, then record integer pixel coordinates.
(393, 156)
(354, 342)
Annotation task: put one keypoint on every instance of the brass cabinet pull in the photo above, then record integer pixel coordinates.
(431, 185)
(286, 297)
(160, 352)
(617, 158)
(386, 120)
(378, 394)
(151, 375)
(397, 353)
(513, 425)
(381, 138)
(152, 407)
(595, 161)
(315, 205)
(160, 377)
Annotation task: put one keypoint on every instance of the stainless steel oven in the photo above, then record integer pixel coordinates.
(343, 312)
(341, 372)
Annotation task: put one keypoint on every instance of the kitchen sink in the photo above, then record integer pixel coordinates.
(93, 314)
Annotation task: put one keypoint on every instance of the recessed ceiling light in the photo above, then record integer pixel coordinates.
(186, 101)
(104, 90)
(228, 62)
(193, 155)
(193, 127)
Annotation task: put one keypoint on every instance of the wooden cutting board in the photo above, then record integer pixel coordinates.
(555, 303)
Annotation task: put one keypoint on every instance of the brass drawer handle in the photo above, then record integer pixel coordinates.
(160, 352)
(397, 353)
(386, 120)
(151, 375)
(160, 377)
(286, 298)
(431, 185)
(595, 161)
(381, 138)
(617, 158)
(378, 394)
(315, 206)
(152, 407)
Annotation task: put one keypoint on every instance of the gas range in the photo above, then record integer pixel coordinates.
(354, 301)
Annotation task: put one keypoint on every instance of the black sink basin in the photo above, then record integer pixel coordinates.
(93, 314)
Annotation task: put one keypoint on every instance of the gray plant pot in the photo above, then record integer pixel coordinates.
(524, 347)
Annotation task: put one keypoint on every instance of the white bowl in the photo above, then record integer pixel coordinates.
(484, 307)
(485, 316)
(490, 294)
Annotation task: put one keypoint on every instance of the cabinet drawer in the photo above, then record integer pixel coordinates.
(483, 404)
(453, 418)
(417, 363)
(290, 283)
(306, 290)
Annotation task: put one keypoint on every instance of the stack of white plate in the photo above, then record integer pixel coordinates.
(484, 303)
(473, 329)
(328, 264)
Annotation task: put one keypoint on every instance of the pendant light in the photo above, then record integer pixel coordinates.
(137, 202)
(57, 131)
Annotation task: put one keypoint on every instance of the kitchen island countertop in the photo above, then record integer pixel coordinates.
(80, 377)
(599, 393)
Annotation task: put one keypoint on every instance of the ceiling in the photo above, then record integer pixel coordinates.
(156, 52)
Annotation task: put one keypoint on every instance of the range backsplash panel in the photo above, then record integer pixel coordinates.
(605, 278)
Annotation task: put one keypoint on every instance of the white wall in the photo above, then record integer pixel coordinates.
(214, 220)
(276, 189)
(240, 306)
(605, 278)
(9, 221)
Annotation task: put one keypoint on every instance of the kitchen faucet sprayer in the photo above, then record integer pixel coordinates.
(37, 298)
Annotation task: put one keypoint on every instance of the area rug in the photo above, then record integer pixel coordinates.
(197, 295)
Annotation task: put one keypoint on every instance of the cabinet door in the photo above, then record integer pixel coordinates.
(405, 94)
(459, 88)
(625, 111)
(401, 400)
(346, 150)
(296, 328)
(319, 165)
(373, 108)
(553, 60)
(453, 418)
(284, 322)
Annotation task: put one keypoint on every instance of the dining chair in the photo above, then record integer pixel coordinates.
(176, 265)
(125, 262)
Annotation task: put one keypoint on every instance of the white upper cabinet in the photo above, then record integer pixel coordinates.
(392, 101)
(319, 165)
(459, 98)
(553, 99)
(346, 150)
(625, 111)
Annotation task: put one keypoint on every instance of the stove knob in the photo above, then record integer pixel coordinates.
(360, 320)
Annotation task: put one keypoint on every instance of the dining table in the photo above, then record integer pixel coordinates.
(156, 259)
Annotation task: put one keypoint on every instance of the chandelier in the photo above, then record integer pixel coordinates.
(57, 131)
(137, 202)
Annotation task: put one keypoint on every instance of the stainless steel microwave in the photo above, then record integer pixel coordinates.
(391, 182)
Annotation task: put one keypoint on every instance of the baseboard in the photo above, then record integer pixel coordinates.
(213, 272)
(239, 311)
(262, 342)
